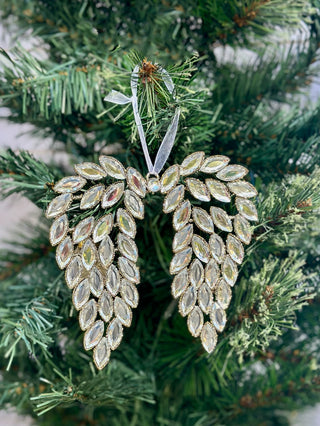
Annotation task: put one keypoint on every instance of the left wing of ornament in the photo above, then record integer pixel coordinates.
(98, 252)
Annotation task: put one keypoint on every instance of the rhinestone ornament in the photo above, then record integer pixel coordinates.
(58, 230)
(180, 283)
(169, 179)
(69, 184)
(195, 321)
(182, 238)
(198, 189)
(112, 195)
(203, 220)
(102, 228)
(100, 254)
(83, 230)
(90, 171)
(91, 197)
(58, 205)
(113, 167)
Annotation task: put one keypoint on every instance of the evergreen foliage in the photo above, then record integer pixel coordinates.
(266, 361)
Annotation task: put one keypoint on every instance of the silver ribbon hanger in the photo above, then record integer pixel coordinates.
(168, 140)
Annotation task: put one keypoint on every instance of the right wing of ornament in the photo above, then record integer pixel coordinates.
(99, 253)
(208, 243)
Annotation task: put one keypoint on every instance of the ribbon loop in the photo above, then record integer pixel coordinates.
(117, 98)
(168, 140)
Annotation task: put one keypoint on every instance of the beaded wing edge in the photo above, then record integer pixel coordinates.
(100, 256)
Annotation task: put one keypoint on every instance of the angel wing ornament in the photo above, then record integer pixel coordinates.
(211, 213)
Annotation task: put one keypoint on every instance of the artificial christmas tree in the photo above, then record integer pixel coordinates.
(266, 356)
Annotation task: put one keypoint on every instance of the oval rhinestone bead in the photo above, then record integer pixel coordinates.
(169, 179)
(247, 209)
(229, 271)
(113, 280)
(180, 283)
(112, 195)
(232, 172)
(187, 301)
(205, 298)
(217, 247)
(243, 189)
(112, 166)
(134, 204)
(105, 305)
(221, 219)
(91, 197)
(101, 353)
(83, 230)
(64, 253)
(192, 163)
(81, 294)
(212, 273)
(242, 228)
(182, 215)
(195, 321)
(202, 220)
(223, 294)
(201, 248)
(218, 317)
(96, 281)
(114, 333)
(136, 182)
(127, 247)
(73, 272)
(129, 270)
(58, 230)
(88, 314)
(180, 260)
(103, 228)
(218, 190)
(173, 198)
(214, 163)
(198, 189)
(122, 311)
(209, 337)
(126, 223)
(90, 171)
(69, 184)
(129, 293)
(235, 249)
(196, 273)
(106, 251)
(88, 254)
(93, 335)
(58, 205)
(182, 238)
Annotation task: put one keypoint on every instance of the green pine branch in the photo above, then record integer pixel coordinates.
(171, 28)
(276, 292)
(29, 283)
(274, 75)
(30, 320)
(235, 20)
(22, 173)
(288, 209)
(272, 141)
(119, 387)
(40, 90)
(28, 245)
